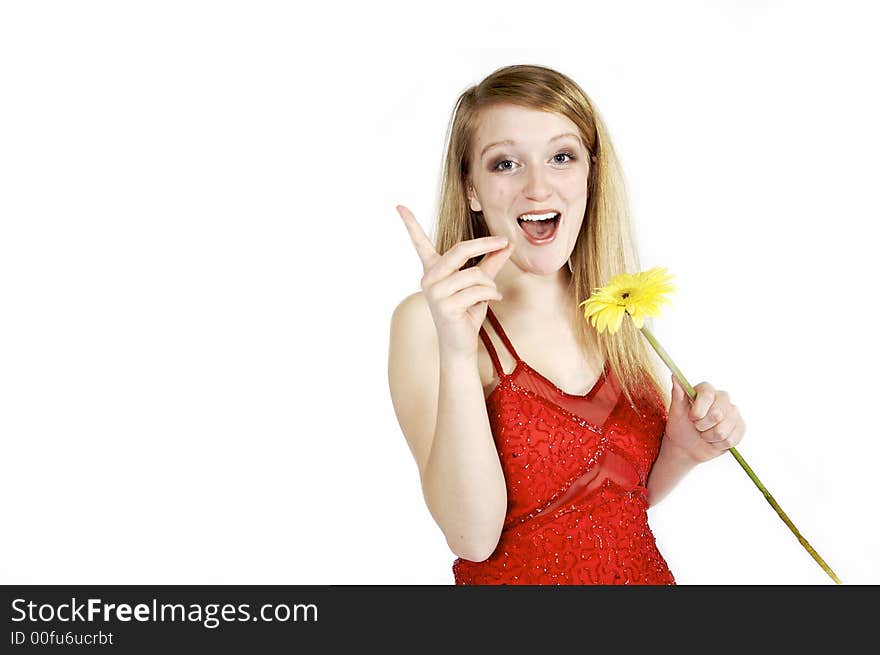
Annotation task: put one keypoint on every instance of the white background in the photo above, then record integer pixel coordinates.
(199, 257)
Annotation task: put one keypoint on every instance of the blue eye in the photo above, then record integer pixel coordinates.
(497, 166)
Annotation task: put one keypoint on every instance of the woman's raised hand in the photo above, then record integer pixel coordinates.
(458, 298)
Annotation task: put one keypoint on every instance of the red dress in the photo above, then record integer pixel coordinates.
(576, 470)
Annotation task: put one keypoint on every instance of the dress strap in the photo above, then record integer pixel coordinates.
(492, 354)
(497, 325)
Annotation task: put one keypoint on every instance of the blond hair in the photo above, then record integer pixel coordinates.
(606, 244)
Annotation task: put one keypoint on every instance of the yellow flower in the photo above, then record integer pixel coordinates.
(638, 295)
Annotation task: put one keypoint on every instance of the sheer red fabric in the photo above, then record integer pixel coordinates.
(576, 470)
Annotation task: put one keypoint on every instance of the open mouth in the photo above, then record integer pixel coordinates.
(542, 231)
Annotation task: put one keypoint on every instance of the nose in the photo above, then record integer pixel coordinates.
(537, 183)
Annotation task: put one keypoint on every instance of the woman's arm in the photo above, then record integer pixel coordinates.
(695, 432)
(671, 465)
(441, 408)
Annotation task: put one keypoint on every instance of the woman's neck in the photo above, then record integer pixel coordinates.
(538, 295)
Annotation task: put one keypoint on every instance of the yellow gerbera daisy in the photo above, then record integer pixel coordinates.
(639, 295)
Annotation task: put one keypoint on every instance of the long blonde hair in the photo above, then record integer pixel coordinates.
(606, 244)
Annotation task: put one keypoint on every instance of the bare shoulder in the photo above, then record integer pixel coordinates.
(413, 313)
(413, 331)
(412, 328)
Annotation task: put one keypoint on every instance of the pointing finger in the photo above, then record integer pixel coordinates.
(424, 248)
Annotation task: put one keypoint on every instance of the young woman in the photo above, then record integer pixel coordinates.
(541, 447)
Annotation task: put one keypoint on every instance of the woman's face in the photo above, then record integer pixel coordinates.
(540, 165)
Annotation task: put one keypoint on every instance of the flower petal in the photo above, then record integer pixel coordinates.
(640, 295)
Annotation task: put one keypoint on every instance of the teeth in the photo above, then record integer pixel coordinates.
(537, 217)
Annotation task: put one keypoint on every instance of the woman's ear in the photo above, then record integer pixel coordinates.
(472, 200)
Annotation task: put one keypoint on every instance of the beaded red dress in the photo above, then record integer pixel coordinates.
(576, 470)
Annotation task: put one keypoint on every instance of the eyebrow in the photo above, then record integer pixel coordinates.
(509, 142)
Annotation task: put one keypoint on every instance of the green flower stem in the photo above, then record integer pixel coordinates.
(693, 394)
